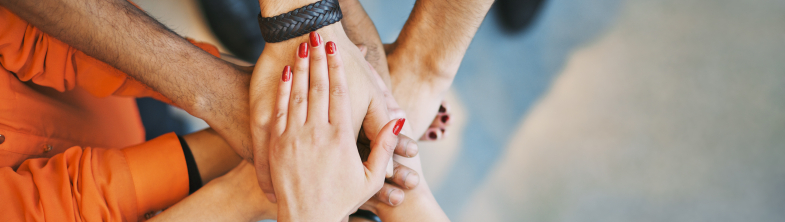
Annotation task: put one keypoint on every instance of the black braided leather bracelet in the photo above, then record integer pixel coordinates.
(301, 21)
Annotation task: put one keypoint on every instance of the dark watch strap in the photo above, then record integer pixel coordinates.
(301, 21)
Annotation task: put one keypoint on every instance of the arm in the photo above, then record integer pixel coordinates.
(235, 196)
(360, 29)
(118, 33)
(420, 205)
(96, 184)
(427, 64)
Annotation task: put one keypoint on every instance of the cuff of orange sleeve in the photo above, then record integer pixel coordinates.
(159, 172)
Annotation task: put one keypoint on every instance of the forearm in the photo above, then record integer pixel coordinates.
(213, 156)
(428, 52)
(419, 205)
(450, 26)
(360, 29)
(233, 197)
(116, 32)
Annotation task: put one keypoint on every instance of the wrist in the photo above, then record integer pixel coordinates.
(420, 205)
(272, 8)
(301, 212)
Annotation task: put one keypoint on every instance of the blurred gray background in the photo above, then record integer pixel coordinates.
(606, 110)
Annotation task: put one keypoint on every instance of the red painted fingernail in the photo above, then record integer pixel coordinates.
(445, 118)
(398, 126)
(442, 109)
(316, 39)
(303, 52)
(330, 48)
(432, 135)
(286, 76)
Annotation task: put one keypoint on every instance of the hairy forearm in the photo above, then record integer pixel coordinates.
(118, 33)
(360, 29)
(438, 32)
(427, 54)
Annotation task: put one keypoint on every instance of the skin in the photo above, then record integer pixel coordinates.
(422, 67)
(420, 58)
(313, 156)
(118, 33)
(144, 49)
(169, 64)
(368, 108)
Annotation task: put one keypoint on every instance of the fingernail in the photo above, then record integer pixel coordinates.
(316, 39)
(271, 197)
(330, 48)
(432, 135)
(442, 109)
(396, 197)
(445, 118)
(404, 179)
(303, 52)
(411, 151)
(412, 181)
(398, 126)
(286, 76)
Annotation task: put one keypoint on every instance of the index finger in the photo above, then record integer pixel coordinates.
(340, 105)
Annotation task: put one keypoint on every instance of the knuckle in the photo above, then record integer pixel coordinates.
(301, 69)
(283, 94)
(259, 122)
(317, 56)
(335, 64)
(396, 113)
(279, 112)
(319, 87)
(339, 90)
(388, 144)
(298, 97)
(378, 185)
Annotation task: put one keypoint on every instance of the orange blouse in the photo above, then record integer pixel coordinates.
(57, 107)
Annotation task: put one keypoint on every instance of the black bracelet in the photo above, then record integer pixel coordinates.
(301, 21)
(194, 178)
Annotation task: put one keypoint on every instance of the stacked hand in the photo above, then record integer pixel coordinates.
(314, 162)
(367, 105)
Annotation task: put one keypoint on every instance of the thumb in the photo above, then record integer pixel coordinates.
(374, 120)
(383, 147)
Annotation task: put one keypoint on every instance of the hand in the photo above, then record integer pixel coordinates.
(314, 162)
(420, 204)
(235, 196)
(438, 128)
(403, 177)
(367, 106)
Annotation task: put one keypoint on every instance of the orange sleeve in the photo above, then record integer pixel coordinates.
(94, 184)
(35, 56)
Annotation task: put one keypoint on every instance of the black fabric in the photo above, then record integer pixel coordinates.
(518, 15)
(234, 23)
(366, 215)
(300, 21)
(194, 178)
(157, 119)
